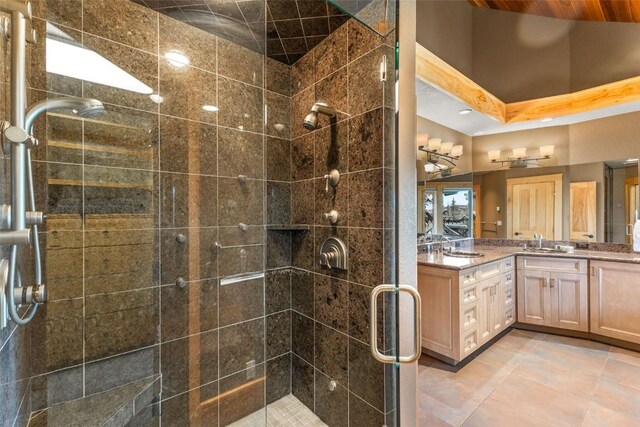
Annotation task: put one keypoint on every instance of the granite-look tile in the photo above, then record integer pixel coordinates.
(180, 357)
(360, 312)
(278, 202)
(278, 75)
(56, 387)
(239, 344)
(240, 202)
(179, 307)
(237, 405)
(63, 265)
(303, 73)
(120, 322)
(301, 104)
(366, 256)
(177, 411)
(366, 91)
(252, 10)
(337, 198)
(187, 200)
(302, 201)
(366, 375)
(332, 149)
(331, 406)
(363, 414)
(278, 159)
(186, 90)
(123, 138)
(16, 356)
(316, 26)
(128, 23)
(278, 334)
(389, 148)
(119, 191)
(302, 292)
(331, 54)
(143, 66)
(240, 153)
(302, 250)
(332, 302)
(361, 40)
(235, 236)
(302, 157)
(278, 249)
(240, 105)
(188, 146)
(197, 45)
(195, 259)
(302, 336)
(336, 21)
(278, 378)
(331, 353)
(332, 90)
(240, 260)
(278, 115)
(66, 12)
(302, 381)
(320, 236)
(366, 197)
(239, 63)
(281, 9)
(113, 372)
(241, 301)
(366, 143)
(147, 417)
(58, 128)
(278, 290)
(63, 348)
(289, 28)
(53, 197)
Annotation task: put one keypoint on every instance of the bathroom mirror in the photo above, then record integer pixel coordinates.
(446, 206)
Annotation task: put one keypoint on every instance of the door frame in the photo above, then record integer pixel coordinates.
(557, 200)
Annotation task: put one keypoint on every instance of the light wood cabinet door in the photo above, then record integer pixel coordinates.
(496, 306)
(533, 297)
(440, 300)
(485, 327)
(569, 301)
(615, 300)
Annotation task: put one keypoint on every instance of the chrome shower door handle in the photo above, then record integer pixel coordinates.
(373, 326)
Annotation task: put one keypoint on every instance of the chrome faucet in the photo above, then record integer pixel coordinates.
(444, 239)
(538, 238)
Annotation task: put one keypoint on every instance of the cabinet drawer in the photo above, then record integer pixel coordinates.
(489, 270)
(509, 294)
(469, 343)
(467, 277)
(509, 316)
(565, 265)
(469, 317)
(469, 294)
(508, 264)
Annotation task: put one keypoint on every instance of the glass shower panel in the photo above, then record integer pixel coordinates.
(379, 15)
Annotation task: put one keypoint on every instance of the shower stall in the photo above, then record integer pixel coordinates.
(217, 183)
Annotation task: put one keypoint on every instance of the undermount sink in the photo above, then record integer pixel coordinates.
(463, 254)
(546, 250)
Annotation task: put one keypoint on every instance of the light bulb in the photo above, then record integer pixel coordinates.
(494, 155)
(434, 144)
(446, 147)
(456, 151)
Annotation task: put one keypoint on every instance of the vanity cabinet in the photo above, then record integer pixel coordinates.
(464, 309)
(615, 300)
(553, 292)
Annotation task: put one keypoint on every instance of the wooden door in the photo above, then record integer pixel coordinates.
(582, 224)
(533, 297)
(569, 301)
(630, 204)
(477, 209)
(485, 326)
(532, 210)
(615, 300)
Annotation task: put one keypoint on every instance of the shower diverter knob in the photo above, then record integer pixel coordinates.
(333, 254)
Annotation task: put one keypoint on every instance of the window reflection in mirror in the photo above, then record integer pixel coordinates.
(445, 207)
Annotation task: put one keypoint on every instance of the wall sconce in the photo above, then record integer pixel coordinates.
(519, 158)
(438, 151)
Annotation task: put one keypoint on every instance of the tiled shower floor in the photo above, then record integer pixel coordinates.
(286, 412)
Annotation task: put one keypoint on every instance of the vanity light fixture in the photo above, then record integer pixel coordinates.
(519, 157)
(438, 152)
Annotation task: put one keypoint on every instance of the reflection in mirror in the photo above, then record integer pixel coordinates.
(446, 207)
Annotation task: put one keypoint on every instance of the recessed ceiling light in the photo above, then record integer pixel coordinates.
(210, 108)
(465, 111)
(546, 119)
(177, 58)
(156, 98)
(478, 133)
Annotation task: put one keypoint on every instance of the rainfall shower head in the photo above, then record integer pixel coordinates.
(83, 107)
(311, 119)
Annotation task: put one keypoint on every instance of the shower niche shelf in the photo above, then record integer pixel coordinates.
(285, 227)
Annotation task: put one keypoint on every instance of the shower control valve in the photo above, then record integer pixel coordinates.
(333, 254)
(331, 216)
(332, 178)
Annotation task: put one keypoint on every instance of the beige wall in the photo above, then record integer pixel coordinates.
(611, 138)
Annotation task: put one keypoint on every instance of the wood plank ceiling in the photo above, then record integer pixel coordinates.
(588, 10)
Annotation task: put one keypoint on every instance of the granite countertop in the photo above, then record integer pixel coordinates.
(494, 253)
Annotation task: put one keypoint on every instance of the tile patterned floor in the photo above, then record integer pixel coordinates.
(286, 412)
(532, 379)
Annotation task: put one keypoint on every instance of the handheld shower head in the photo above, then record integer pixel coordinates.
(311, 119)
(83, 107)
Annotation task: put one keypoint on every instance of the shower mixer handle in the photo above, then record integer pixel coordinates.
(333, 177)
(331, 216)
